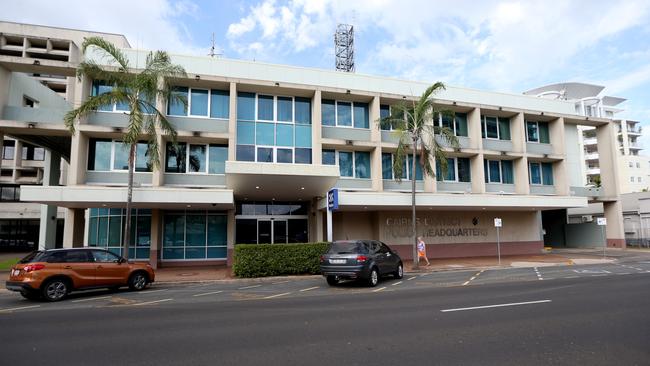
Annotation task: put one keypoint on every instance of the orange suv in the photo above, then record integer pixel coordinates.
(52, 274)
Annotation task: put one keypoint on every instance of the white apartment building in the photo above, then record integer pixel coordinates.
(588, 99)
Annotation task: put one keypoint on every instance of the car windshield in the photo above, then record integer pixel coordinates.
(36, 256)
(347, 247)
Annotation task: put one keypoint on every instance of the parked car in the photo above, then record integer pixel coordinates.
(52, 274)
(360, 260)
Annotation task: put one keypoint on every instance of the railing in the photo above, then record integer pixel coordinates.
(590, 141)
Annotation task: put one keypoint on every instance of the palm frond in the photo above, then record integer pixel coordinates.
(91, 105)
(109, 51)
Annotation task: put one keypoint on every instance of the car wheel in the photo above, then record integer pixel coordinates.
(373, 279)
(399, 274)
(138, 281)
(55, 290)
(332, 280)
(31, 295)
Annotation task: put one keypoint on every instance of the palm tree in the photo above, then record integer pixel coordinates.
(138, 89)
(411, 123)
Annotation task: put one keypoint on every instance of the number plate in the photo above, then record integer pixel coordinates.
(337, 261)
(16, 272)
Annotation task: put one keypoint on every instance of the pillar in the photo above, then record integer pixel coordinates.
(375, 138)
(316, 129)
(73, 230)
(608, 160)
(231, 238)
(474, 129)
(78, 158)
(477, 173)
(18, 159)
(156, 237)
(518, 133)
(232, 123)
(520, 167)
(47, 226)
(614, 231)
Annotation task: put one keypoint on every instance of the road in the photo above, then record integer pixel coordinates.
(593, 314)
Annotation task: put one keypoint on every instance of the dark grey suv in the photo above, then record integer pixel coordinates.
(360, 259)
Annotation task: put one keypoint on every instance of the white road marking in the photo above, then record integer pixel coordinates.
(278, 295)
(539, 275)
(279, 282)
(20, 308)
(590, 271)
(379, 289)
(473, 277)
(496, 306)
(465, 283)
(92, 299)
(396, 283)
(151, 302)
(208, 293)
(247, 287)
(410, 278)
(625, 273)
(152, 291)
(309, 289)
(571, 277)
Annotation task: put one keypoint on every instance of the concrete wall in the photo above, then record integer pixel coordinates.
(586, 235)
(574, 162)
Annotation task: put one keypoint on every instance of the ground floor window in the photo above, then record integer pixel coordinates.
(106, 226)
(19, 235)
(271, 222)
(194, 235)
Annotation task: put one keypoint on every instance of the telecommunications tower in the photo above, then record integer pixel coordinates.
(344, 47)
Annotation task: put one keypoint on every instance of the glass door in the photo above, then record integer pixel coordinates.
(264, 232)
(280, 231)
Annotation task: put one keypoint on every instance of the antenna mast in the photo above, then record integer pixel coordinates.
(213, 48)
(344, 47)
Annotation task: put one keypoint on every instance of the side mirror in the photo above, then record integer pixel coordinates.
(121, 260)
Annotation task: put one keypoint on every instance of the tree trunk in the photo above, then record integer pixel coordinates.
(416, 261)
(129, 196)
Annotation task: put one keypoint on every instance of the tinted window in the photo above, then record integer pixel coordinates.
(105, 257)
(37, 256)
(347, 247)
(77, 256)
(56, 257)
(383, 248)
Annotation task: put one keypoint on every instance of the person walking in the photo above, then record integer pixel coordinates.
(422, 251)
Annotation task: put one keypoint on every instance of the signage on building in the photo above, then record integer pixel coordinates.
(333, 199)
(497, 222)
(435, 227)
(601, 221)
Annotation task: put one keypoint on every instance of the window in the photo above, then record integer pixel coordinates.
(638, 179)
(194, 235)
(631, 179)
(384, 111)
(498, 171)
(208, 103)
(638, 165)
(31, 152)
(630, 164)
(495, 128)
(274, 129)
(344, 114)
(388, 173)
(107, 155)
(9, 193)
(541, 173)
(105, 257)
(198, 158)
(537, 132)
(456, 123)
(105, 230)
(8, 147)
(352, 164)
(458, 170)
(30, 102)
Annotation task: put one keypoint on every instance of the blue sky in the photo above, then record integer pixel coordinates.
(508, 46)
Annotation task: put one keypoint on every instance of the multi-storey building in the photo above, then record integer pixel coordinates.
(634, 172)
(260, 145)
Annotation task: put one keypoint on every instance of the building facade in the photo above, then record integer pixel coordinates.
(260, 145)
(634, 172)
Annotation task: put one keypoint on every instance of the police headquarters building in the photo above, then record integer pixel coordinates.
(260, 145)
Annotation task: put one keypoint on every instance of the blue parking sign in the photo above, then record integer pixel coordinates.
(333, 199)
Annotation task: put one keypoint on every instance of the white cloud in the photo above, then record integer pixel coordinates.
(151, 24)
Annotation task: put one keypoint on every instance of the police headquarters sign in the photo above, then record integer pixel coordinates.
(435, 227)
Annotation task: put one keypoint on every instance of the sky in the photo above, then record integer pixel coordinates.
(505, 46)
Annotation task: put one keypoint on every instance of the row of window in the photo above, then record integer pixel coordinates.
(344, 114)
(284, 109)
(105, 230)
(194, 235)
(9, 193)
(195, 102)
(638, 179)
(352, 164)
(28, 152)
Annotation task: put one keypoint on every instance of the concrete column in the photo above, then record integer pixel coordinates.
(316, 129)
(156, 237)
(47, 226)
(477, 173)
(518, 133)
(5, 87)
(474, 128)
(2, 144)
(520, 166)
(231, 238)
(375, 138)
(78, 159)
(608, 160)
(430, 185)
(158, 176)
(18, 159)
(232, 123)
(561, 178)
(73, 230)
(556, 135)
(614, 231)
(318, 225)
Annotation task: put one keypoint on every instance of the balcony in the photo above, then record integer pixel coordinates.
(591, 156)
(590, 141)
(593, 171)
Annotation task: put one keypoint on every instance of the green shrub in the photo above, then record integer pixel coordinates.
(260, 260)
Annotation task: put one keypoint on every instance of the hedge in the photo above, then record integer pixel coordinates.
(259, 260)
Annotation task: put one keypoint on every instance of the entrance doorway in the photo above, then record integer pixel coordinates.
(272, 231)
(271, 222)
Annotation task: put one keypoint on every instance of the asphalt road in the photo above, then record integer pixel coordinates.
(596, 314)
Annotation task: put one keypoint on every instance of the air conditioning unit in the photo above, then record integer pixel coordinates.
(587, 218)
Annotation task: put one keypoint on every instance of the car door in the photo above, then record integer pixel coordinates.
(380, 258)
(111, 270)
(392, 260)
(79, 265)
